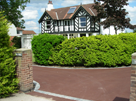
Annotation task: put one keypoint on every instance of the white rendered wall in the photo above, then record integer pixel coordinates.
(12, 30)
(109, 31)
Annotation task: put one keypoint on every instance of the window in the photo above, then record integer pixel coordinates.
(67, 23)
(18, 32)
(47, 25)
(71, 10)
(55, 23)
(82, 22)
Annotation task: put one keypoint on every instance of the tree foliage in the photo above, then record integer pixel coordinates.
(12, 10)
(4, 37)
(114, 14)
(17, 42)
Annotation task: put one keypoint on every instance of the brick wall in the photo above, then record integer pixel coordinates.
(24, 69)
(133, 79)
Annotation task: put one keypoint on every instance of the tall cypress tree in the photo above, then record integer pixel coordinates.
(8, 80)
(114, 14)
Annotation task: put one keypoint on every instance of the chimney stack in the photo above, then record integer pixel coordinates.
(49, 6)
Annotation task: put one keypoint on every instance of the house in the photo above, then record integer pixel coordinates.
(74, 21)
(26, 36)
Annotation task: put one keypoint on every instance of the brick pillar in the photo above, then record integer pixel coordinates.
(24, 69)
(133, 79)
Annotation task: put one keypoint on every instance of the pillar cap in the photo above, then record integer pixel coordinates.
(21, 49)
(134, 54)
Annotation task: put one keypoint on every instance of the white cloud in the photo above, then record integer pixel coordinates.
(30, 23)
(66, 3)
(30, 14)
(131, 13)
(32, 28)
(131, 1)
(42, 10)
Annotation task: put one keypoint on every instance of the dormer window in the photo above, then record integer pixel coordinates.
(71, 10)
(82, 22)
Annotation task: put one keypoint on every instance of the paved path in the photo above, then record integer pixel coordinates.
(90, 84)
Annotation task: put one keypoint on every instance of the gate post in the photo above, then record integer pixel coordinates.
(24, 69)
(133, 78)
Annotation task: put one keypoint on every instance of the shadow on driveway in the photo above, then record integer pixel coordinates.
(120, 99)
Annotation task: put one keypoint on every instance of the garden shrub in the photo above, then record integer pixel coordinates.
(42, 44)
(8, 80)
(17, 42)
(100, 50)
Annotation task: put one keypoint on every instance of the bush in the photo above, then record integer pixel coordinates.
(100, 50)
(42, 44)
(17, 42)
(8, 80)
(4, 37)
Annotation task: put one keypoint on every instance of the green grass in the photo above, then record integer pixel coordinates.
(33, 59)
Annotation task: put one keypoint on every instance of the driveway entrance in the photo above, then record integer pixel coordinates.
(87, 84)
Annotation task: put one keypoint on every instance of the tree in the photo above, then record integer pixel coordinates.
(12, 10)
(17, 42)
(113, 13)
(8, 80)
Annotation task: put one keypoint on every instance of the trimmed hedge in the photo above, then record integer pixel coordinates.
(100, 50)
(42, 44)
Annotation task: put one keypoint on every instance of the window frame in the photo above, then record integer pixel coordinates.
(47, 25)
(82, 22)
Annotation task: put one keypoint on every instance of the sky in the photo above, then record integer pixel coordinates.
(35, 9)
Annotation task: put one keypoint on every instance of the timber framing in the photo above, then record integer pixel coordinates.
(81, 21)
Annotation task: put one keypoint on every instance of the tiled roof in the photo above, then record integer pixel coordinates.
(61, 13)
(28, 32)
(20, 29)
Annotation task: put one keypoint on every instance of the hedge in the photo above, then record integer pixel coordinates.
(93, 51)
(42, 44)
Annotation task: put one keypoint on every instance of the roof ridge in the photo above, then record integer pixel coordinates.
(71, 6)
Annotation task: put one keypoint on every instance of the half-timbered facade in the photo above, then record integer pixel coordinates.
(74, 21)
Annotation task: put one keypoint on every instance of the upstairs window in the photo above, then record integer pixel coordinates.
(67, 23)
(82, 22)
(47, 25)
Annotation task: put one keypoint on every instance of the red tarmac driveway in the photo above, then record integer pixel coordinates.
(91, 84)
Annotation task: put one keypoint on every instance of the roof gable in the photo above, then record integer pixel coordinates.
(62, 13)
(46, 13)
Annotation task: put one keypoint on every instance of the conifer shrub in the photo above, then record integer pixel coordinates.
(8, 80)
(93, 51)
(42, 44)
